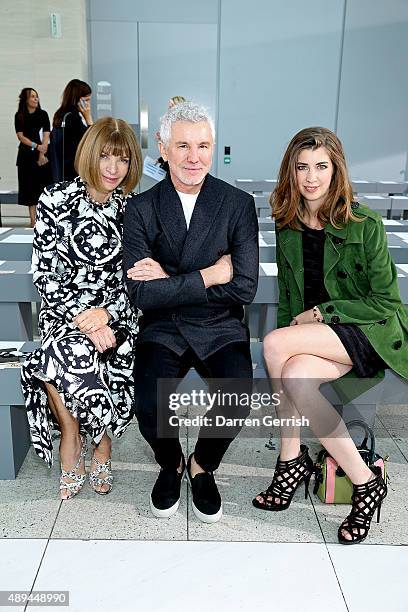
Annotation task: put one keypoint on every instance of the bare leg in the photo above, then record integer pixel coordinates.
(32, 211)
(285, 343)
(70, 446)
(102, 452)
(324, 419)
(289, 360)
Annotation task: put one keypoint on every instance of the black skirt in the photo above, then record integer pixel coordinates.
(365, 359)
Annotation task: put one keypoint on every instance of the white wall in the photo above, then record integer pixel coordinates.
(31, 58)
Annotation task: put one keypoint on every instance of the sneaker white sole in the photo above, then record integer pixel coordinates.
(204, 518)
(207, 518)
(164, 513)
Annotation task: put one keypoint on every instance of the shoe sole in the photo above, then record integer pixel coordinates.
(158, 513)
(204, 518)
(207, 518)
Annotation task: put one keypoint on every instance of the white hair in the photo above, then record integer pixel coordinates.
(184, 111)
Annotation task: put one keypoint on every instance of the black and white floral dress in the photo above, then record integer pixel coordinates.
(77, 264)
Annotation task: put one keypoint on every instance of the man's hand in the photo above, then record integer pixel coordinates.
(303, 317)
(92, 320)
(103, 339)
(146, 269)
(220, 273)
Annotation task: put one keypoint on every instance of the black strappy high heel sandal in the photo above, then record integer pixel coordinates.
(286, 479)
(366, 499)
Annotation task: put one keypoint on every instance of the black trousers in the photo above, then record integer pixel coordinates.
(155, 361)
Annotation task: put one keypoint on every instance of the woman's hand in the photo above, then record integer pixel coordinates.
(146, 269)
(103, 339)
(220, 273)
(42, 160)
(92, 320)
(42, 148)
(303, 317)
(84, 107)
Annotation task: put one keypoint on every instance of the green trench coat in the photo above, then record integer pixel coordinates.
(361, 280)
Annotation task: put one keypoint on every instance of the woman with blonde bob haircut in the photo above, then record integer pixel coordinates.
(340, 313)
(80, 380)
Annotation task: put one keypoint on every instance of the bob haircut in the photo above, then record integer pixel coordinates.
(113, 137)
(287, 204)
(184, 111)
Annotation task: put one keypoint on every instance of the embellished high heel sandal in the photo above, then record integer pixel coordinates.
(94, 476)
(76, 480)
(366, 499)
(286, 479)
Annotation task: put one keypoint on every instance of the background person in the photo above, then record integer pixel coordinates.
(80, 380)
(339, 310)
(32, 127)
(172, 102)
(70, 123)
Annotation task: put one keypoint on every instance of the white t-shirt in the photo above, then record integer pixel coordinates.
(188, 201)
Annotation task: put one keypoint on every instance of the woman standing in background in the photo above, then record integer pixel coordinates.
(70, 123)
(32, 126)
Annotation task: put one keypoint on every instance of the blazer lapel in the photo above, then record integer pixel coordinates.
(170, 213)
(205, 211)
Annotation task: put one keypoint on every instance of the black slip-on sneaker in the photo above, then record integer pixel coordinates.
(207, 504)
(165, 496)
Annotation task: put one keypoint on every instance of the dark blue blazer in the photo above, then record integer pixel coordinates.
(179, 311)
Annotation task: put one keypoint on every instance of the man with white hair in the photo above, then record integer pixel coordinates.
(191, 259)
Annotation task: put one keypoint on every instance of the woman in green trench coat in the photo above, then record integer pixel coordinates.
(339, 313)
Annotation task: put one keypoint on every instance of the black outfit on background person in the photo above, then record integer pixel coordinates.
(366, 361)
(32, 178)
(183, 323)
(64, 143)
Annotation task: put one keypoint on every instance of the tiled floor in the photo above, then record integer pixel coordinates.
(110, 552)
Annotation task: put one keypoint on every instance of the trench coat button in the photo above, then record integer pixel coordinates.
(74, 212)
(355, 205)
(341, 274)
(382, 322)
(330, 308)
(337, 240)
(359, 267)
(397, 345)
(79, 239)
(113, 242)
(335, 319)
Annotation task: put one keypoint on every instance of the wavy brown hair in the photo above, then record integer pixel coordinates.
(112, 137)
(24, 94)
(286, 201)
(73, 92)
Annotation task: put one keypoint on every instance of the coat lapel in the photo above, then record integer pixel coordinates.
(205, 211)
(170, 213)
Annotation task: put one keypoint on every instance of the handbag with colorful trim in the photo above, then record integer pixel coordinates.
(332, 485)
